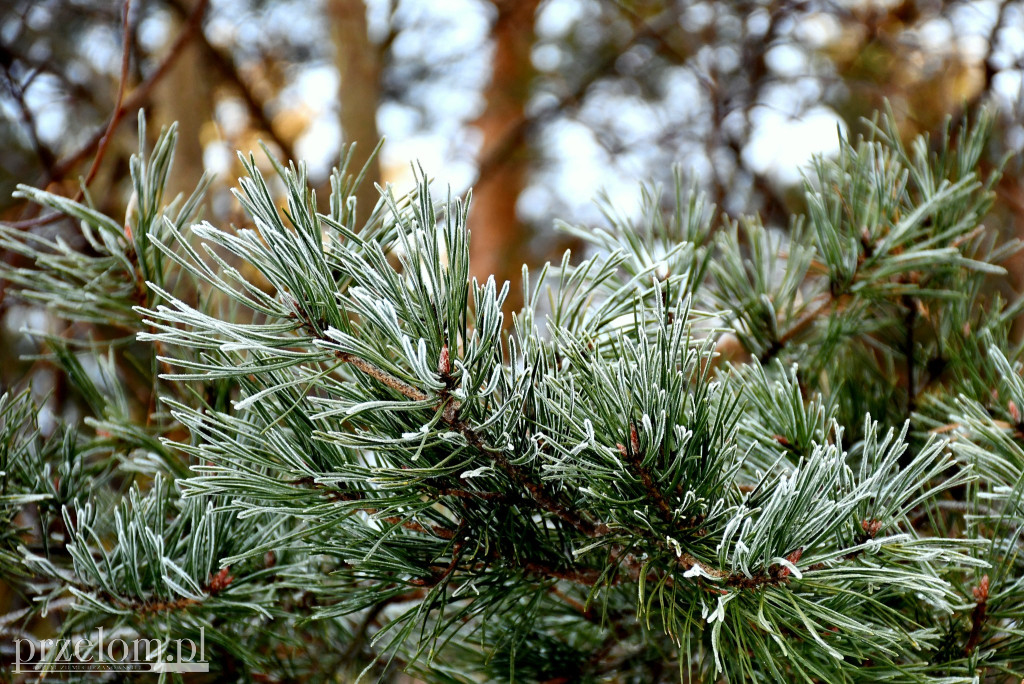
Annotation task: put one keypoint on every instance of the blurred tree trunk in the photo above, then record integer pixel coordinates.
(499, 237)
(358, 62)
(185, 95)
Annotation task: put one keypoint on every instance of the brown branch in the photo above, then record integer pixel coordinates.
(587, 577)
(132, 102)
(225, 64)
(585, 611)
(630, 564)
(436, 530)
(538, 492)
(115, 118)
(438, 579)
(774, 576)
(978, 616)
(631, 455)
(215, 584)
(802, 324)
(141, 94)
(355, 495)
(989, 62)
(469, 494)
(17, 90)
(383, 377)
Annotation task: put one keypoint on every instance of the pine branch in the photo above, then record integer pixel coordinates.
(538, 492)
(369, 449)
(634, 458)
(805, 321)
(978, 616)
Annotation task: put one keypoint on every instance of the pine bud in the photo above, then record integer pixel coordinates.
(981, 591)
(871, 527)
(131, 215)
(444, 361)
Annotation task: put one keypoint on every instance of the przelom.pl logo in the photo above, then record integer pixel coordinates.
(106, 653)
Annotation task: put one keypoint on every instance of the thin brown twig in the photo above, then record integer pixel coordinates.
(355, 495)
(215, 584)
(383, 377)
(104, 140)
(225, 64)
(43, 153)
(634, 459)
(469, 493)
(802, 324)
(126, 103)
(537, 491)
(115, 118)
(585, 611)
(139, 95)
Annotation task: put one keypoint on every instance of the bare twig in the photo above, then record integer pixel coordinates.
(225, 64)
(43, 153)
(125, 104)
(115, 118)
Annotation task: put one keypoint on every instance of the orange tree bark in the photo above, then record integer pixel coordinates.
(186, 95)
(498, 236)
(358, 62)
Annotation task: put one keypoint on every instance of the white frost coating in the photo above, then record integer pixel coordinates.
(588, 440)
(478, 472)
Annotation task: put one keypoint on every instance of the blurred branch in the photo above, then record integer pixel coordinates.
(509, 141)
(39, 67)
(17, 91)
(969, 107)
(132, 102)
(358, 62)
(993, 40)
(115, 118)
(224, 63)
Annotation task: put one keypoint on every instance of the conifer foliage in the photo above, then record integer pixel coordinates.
(709, 452)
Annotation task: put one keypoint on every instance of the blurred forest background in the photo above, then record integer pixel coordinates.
(539, 105)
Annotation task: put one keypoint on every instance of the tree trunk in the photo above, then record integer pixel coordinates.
(185, 95)
(499, 237)
(358, 63)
